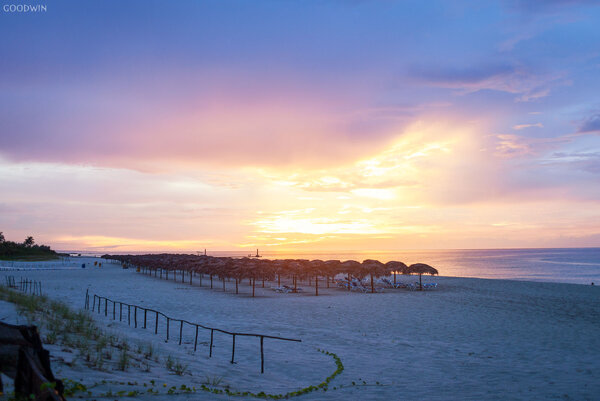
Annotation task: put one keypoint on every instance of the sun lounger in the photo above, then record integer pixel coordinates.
(342, 284)
(287, 289)
(358, 287)
(387, 282)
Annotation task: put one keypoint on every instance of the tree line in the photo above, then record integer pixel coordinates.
(27, 249)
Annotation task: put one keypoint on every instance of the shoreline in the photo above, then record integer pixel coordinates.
(563, 265)
(400, 277)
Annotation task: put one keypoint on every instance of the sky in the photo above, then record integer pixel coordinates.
(301, 125)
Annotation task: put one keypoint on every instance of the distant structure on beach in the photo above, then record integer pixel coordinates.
(255, 256)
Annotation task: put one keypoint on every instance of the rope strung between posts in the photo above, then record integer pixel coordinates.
(97, 301)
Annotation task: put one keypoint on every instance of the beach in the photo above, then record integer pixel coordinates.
(474, 339)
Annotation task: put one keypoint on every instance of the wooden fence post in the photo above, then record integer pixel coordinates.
(211, 343)
(156, 324)
(233, 349)
(262, 355)
(196, 339)
(180, 332)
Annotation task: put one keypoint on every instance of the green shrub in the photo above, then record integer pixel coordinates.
(124, 360)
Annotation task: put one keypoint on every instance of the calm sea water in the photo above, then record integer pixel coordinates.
(569, 265)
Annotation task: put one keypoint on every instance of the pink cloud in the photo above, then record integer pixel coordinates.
(190, 121)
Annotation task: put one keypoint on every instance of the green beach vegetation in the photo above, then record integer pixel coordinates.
(27, 250)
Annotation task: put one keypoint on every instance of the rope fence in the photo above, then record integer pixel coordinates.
(26, 285)
(101, 304)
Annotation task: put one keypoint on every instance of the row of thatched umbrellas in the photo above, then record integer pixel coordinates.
(269, 270)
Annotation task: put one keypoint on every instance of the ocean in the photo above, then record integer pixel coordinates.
(562, 265)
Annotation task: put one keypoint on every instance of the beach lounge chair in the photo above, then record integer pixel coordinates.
(386, 282)
(358, 287)
(288, 289)
(341, 283)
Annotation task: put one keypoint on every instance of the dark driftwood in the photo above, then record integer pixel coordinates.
(23, 359)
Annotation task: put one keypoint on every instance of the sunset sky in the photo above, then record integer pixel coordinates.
(161, 125)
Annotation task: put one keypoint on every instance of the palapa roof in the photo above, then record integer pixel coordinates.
(421, 268)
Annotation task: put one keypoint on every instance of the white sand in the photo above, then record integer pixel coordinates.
(470, 339)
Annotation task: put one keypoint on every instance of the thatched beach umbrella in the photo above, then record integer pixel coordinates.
(248, 268)
(278, 266)
(420, 269)
(332, 268)
(226, 271)
(199, 268)
(396, 267)
(295, 267)
(316, 268)
(350, 267)
(238, 272)
(374, 268)
(267, 271)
